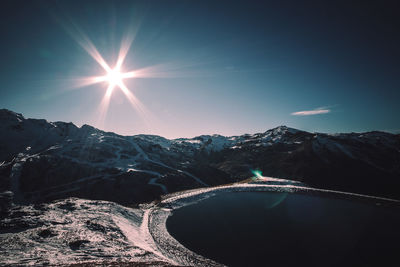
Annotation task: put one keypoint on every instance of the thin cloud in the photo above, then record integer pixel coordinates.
(311, 112)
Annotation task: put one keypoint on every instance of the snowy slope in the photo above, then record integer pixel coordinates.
(76, 231)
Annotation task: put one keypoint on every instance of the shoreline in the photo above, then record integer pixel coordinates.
(172, 249)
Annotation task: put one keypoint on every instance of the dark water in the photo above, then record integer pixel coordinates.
(280, 229)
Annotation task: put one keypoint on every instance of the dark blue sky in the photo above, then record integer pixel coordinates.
(229, 67)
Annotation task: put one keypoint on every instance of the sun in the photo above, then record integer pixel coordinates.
(114, 77)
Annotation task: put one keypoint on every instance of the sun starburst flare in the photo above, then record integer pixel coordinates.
(113, 76)
(115, 79)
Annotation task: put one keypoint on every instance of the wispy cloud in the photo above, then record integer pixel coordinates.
(311, 112)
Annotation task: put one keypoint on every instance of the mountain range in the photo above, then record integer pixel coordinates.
(42, 161)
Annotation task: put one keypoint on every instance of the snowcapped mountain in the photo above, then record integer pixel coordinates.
(41, 161)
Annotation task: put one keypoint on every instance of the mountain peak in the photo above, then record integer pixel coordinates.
(282, 129)
(8, 114)
(89, 128)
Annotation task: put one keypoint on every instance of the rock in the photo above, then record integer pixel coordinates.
(45, 233)
(69, 206)
(77, 244)
(95, 226)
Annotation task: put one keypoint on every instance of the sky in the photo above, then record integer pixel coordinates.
(204, 67)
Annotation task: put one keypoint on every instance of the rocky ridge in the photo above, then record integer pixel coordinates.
(42, 161)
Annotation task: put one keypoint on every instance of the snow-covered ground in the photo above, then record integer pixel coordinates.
(100, 232)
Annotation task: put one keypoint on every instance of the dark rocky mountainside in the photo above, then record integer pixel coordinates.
(42, 161)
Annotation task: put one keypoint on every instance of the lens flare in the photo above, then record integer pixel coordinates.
(105, 102)
(257, 174)
(114, 74)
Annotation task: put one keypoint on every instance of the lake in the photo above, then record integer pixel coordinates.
(288, 229)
